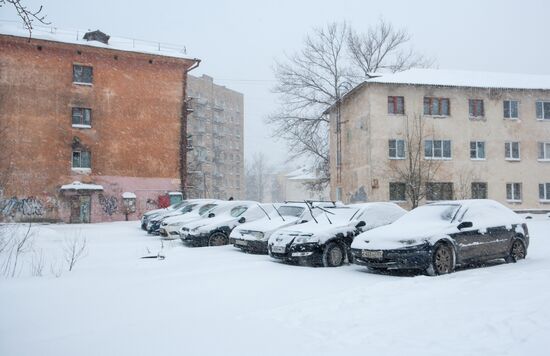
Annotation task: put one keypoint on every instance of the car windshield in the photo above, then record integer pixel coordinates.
(431, 212)
(205, 208)
(238, 210)
(187, 208)
(291, 210)
(178, 205)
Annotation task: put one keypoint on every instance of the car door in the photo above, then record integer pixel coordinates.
(501, 237)
(467, 243)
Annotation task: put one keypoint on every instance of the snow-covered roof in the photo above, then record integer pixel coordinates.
(302, 173)
(76, 185)
(463, 78)
(76, 37)
(128, 195)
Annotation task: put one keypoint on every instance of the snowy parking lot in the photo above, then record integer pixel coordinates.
(220, 301)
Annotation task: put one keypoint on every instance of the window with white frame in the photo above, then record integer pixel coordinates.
(544, 192)
(513, 191)
(82, 117)
(477, 150)
(544, 151)
(543, 110)
(437, 149)
(398, 191)
(511, 109)
(396, 149)
(81, 159)
(512, 151)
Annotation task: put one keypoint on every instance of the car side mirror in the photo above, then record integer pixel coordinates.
(211, 215)
(464, 225)
(242, 220)
(360, 224)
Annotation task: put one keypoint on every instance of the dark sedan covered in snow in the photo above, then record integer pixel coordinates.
(438, 237)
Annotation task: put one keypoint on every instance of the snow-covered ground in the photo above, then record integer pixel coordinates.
(220, 301)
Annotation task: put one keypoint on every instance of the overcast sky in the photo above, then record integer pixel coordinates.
(238, 40)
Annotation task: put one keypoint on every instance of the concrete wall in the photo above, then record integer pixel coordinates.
(367, 127)
(136, 101)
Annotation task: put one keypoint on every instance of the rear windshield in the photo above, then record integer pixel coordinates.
(291, 210)
(205, 208)
(238, 210)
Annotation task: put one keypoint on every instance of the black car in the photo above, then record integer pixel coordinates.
(438, 237)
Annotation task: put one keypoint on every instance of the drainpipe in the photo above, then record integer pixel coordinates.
(183, 132)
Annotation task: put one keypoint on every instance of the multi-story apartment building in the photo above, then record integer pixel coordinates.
(481, 135)
(92, 127)
(215, 127)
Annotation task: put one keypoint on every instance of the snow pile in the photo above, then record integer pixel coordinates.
(76, 185)
(128, 195)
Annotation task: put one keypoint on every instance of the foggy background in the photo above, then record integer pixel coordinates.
(239, 40)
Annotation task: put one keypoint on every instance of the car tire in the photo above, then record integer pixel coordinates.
(218, 239)
(334, 255)
(517, 252)
(443, 260)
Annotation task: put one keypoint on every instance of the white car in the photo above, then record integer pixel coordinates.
(170, 226)
(253, 236)
(215, 230)
(327, 238)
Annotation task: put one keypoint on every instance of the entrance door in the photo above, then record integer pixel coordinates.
(80, 209)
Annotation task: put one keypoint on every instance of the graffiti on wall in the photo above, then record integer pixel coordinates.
(109, 204)
(151, 204)
(360, 196)
(30, 206)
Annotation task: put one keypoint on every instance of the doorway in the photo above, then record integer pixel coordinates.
(80, 209)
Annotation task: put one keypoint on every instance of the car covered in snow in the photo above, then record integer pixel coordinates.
(151, 213)
(438, 237)
(154, 221)
(216, 228)
(326, 239)
(253, 236)
(170, 226)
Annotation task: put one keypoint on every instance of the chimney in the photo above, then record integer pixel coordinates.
(97, 35)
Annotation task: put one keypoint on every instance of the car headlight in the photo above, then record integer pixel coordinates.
(197, 228)
(305, 238)
(176, 224)
(257, 234)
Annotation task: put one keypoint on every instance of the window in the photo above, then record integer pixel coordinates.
(82, 159)
(543, 110)
(439, 191)
(397, 192)
(511, 109)
(82, 117)
(437, 106)
(511, 151)
(544, 151)
(476, 108)
(544, 192)
(339, 194)
(477, 150)
(437, 149)
(396, 149)
(396, 105)
(513, 191)
(479, 190)
(82, 74)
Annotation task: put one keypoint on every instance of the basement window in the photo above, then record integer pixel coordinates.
(82, 74)
(82, 118)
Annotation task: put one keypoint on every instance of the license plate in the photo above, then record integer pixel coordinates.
(278, 249)
(372, 254)
(241, 242)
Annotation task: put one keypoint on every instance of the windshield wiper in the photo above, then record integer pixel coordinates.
(265, 212)
(328, 218)
(311, 211)
(278, 212)
(326, 211)
(353, 215)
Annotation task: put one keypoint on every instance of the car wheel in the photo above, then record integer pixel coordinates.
(442, 260)
(517, 252)
(333, 255)
(218, 239)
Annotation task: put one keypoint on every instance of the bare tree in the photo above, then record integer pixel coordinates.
(415, 170)
(28, 16)
(383, 47)
(73, 250)
(14, 245)
(256, 175)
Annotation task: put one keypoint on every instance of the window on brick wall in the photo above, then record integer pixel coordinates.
(82, 117)
(511, 109)
(477, 150)
(476, 108)
(479, 190)
(439, 191)
(437, 149)
(81, 159)
(437, 106)
(513, 191)
(82, 74)
(396, 105)
(397, 191)
(396, 149)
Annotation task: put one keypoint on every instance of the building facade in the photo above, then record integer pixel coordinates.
(484, 135)
(215, 127)
(91, 131)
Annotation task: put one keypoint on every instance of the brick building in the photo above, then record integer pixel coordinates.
(488, 134)
(215, 126)
(109, 117)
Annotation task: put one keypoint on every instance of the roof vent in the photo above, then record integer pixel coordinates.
(97, 35)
